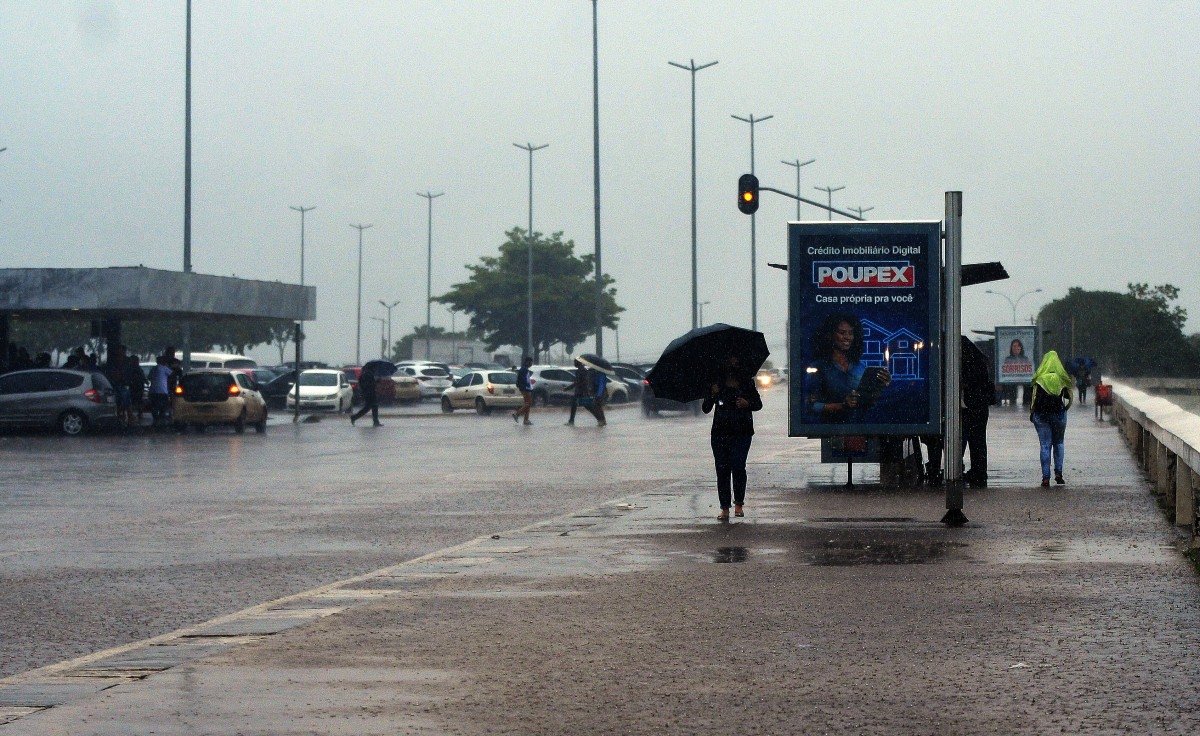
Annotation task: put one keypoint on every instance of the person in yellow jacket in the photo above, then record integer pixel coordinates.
(1051, 399)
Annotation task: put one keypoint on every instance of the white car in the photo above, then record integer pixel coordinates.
(434, 378)
(323, 389)
(483, 391)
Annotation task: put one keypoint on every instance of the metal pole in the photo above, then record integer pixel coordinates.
(300, 325)
(952, 374)
(358, 319)
(299, 335)
(389, 308)
(429, 197)
(187, 177)
(596, 178)
(830, 191)
(798, 164)
(693, 68)
(382, 327)
(861, 211)
(529, 252)
(702, 312)
(753, 227)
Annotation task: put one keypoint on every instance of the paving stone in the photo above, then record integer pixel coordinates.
(49, 694)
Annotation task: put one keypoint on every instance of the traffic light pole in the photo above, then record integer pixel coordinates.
(825, 207)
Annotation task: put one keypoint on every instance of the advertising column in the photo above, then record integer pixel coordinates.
(865, 328)
(1016, 354)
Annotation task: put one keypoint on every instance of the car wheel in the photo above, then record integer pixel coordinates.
(72, 423)
(620, 397)
(447, 407)
(648, 411)
(481, 407)
(542, 397)
(239, 425)
(261, 425)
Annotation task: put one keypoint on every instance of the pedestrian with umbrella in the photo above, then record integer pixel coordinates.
(717, 363)
(371, 372)
(598, 372)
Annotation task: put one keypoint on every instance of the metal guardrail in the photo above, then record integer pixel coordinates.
(1165, 439)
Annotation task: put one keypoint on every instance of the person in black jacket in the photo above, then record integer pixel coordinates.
(735, 398)
(370, 397)
(978, 394)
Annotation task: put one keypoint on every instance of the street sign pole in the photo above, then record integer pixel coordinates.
(952, 350)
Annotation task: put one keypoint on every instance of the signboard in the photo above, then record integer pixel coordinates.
(852, 447)
(865, 326)
(1016, 354)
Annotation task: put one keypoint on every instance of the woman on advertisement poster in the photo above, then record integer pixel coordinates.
(1016, 358)
(839, 386)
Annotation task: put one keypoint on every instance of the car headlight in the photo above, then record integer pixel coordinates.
(332, 395)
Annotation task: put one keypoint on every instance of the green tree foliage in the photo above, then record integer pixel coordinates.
(564, 294)
(1138, 333)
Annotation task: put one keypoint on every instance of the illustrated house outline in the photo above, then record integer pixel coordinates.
(896, 351)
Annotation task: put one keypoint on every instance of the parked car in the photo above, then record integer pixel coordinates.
(71, 401)
(434, 377)
(399, 389)
(483, 391)
(632, 377)
(652, 405)
(323, 389)
(260, 376)
(215, 396)
(275, 391)
(765, 379)
(219, 360)
(552, 384)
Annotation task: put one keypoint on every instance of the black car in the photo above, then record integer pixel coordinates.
(633, 377)
(652, 405)
(275, 391)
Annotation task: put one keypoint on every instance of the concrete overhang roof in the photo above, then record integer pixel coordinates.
(136, 292)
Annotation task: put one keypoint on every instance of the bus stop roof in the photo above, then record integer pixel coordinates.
(137, 292)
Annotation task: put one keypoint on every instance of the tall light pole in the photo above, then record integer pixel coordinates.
(1012, 302)
(187, 178)
(299, 333)
(429, 197)
(596, 178)
(830, 191)
(753, 218)
(799, 165)
(389, 308)
(358, 318)
(860, 211)
(302, 209)
(701, 305)
(693, 68)
(382, 327)
(529, 251)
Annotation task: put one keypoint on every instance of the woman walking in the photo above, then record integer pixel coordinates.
(735, 398)
(1051, 399)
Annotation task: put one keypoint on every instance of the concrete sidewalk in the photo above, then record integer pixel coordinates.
(1066, 610)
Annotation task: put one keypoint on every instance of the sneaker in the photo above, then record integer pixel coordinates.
(378, 424)
(514, 418)
(352, 420)
(1059, 479)
(528, 423)
(1045, 482)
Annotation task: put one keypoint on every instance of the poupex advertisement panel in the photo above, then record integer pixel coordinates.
(1016, 354)
(865, 325)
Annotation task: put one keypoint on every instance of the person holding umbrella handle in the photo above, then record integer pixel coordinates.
(734, 398)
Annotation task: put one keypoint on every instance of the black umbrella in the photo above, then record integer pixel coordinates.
(692, 363)
(380, 368)
(596, 363)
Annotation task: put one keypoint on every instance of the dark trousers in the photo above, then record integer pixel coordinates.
(974, 435)
(729, 452)
(372, 406)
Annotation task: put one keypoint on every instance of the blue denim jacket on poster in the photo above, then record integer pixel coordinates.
(826, 383)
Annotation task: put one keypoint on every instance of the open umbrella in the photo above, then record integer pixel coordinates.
(596, 363)
(381, 368)
(692, 363)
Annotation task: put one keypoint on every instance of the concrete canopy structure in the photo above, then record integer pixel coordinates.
(136, 292)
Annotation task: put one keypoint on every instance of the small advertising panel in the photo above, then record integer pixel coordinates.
(1016, 353)
(865, 321)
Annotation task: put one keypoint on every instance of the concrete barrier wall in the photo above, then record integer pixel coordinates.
(1165, 439)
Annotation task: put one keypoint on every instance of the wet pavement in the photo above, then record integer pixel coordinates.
(825, 610)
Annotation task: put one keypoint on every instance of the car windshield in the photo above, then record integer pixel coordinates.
(503, 379)
(318, 379)
(435, 372)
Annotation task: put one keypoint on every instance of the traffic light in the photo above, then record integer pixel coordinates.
(748, 194)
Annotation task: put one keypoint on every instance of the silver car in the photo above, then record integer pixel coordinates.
(71, 401)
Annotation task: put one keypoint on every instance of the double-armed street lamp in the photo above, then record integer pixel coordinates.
(529, 251)
(829, 191)
(1012, 302)
(861, 211)
(429, 197)
(382, 327)
(389, 308)
(358, 313)
(701, 305)
(798, 164)
(693, 67)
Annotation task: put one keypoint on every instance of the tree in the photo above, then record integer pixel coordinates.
(281, 334)
(564, 294)
(1138, 333)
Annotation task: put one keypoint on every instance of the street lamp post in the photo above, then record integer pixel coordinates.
(799, 165)
(701, 305)
(830, 191)
(860, 211)
(529, 251)
(693, 68)
(299, 334)
(389, 308)
(358, 318)
(596, 178)
(1013, 302)
(382, 328)
(187, 177)
(753, 218)
(429, 197)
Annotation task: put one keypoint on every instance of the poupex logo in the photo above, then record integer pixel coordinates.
(863, 275)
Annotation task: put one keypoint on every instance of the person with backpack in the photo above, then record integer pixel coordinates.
(1051, 399)
(580, 390)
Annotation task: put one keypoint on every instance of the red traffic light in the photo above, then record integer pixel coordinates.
(748, 193)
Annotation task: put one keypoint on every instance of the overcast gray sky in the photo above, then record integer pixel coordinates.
(1070, 127)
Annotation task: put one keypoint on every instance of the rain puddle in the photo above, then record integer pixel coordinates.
(849, 552)
(730, 554)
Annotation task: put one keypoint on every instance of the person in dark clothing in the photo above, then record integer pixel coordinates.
(978, 394)
(526, 389)
(137, 386)
(580, 389)
(370, 397)
(734, 398)
(116, 370)
(75, 361)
